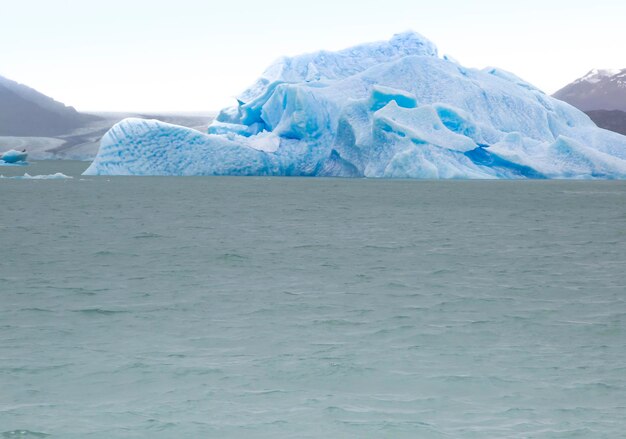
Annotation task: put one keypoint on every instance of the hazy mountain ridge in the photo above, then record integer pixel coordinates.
(597, 90)
(27, 112)
(601, 94)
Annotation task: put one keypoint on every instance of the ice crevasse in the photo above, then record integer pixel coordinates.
(392, 109)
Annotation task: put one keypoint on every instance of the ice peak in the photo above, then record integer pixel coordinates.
(333, 65)
(411, 41)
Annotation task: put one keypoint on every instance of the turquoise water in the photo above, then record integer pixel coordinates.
(310, 308)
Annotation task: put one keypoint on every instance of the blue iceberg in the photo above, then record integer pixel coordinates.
(14, 157)
(392, 109)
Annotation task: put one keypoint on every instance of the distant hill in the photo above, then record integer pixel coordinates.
(26, 112)
(613, 120)
(597, 90)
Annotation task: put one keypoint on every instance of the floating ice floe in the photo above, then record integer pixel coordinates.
(391, 109)
(13, 157)
(26, 176)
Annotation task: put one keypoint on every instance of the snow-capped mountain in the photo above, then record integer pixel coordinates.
(597, 90)
(26, 112)
(392, 109)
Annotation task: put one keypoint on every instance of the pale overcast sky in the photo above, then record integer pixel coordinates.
(151, 55)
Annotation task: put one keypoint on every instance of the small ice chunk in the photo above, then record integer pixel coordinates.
(13, 156)
(26, 176)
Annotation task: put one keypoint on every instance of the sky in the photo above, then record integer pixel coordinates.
(194, 55)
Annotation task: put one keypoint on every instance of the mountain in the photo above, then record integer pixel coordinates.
(602, 95)
(26, 112)
(392, 109)
(613, 120)
(597, 90)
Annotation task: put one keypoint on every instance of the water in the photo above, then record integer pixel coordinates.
(310, 308)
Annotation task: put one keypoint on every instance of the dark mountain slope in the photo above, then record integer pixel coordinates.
(597, 90)
(614, 120)
(26, 112)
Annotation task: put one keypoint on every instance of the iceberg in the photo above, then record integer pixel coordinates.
(392, 109)
(14, 157)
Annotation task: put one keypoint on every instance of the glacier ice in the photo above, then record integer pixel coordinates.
(26, 176)
(13, 157)
(392, 109)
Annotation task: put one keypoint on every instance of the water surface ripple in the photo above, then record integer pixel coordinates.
(311, 308)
